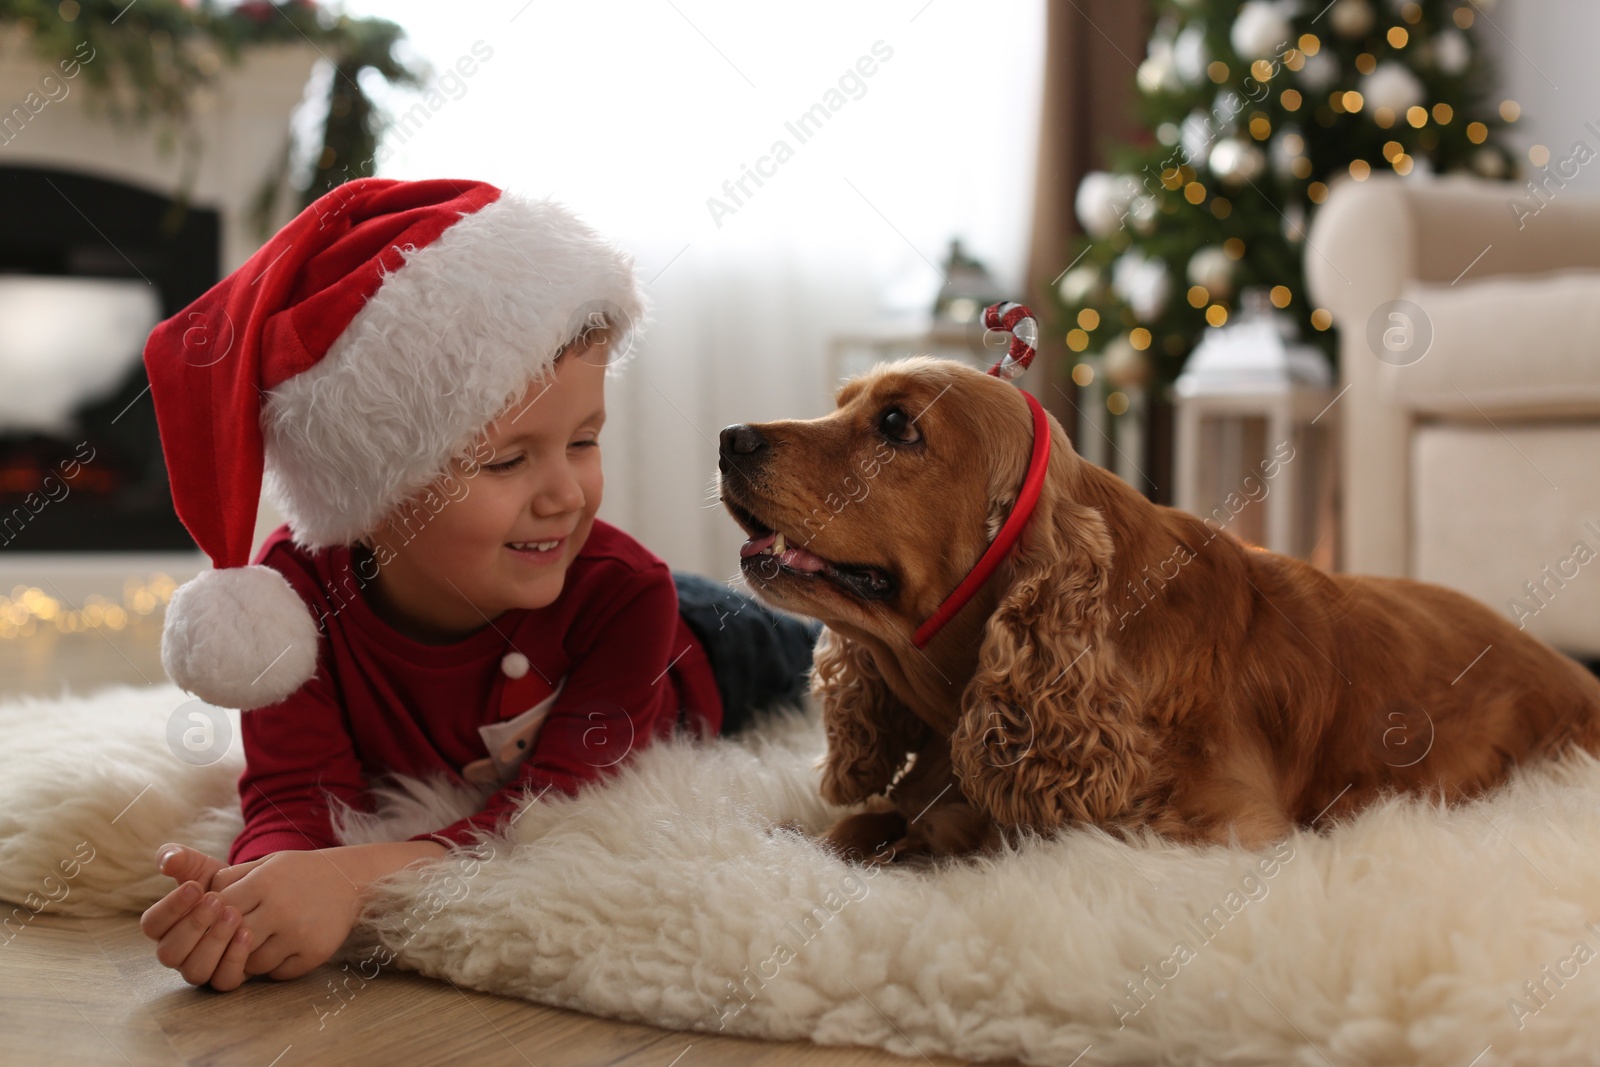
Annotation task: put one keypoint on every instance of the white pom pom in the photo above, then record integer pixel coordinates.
(1156, 74)
(1212, 268)
(1319, 72)
(1190, 56)
(1102, 200)
(240, 637)
(1260, 30)
(1142, 283)
(1351, 18)
(1392, 86)
(1236, 161)
(1078, 284)
(1452, 52)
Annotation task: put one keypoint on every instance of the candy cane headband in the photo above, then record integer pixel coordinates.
(1019, 322)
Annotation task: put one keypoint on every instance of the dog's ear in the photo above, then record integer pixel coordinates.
(869, 730)
(1048, 734)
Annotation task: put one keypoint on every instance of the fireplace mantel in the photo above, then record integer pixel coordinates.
(243, 122)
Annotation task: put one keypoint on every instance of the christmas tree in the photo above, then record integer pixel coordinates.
(1255, 109)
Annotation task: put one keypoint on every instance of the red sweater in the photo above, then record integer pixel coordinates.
(612, 666)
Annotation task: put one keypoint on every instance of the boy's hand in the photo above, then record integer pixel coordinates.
(299, 907)
(195, 932)
(282, 915)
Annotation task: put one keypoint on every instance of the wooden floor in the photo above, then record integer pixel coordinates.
(90, 991)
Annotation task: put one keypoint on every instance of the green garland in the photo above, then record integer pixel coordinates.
(152, 56)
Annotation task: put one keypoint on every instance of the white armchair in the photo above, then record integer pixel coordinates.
(1471, 416)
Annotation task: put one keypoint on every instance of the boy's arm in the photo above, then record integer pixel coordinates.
(294, 750)
(365, 864)
(617, 696)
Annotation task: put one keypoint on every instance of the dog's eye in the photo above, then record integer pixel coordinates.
(897, 425)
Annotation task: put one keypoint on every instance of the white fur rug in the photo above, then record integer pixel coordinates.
(1410, 935)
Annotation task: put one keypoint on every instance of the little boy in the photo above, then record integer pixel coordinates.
(416, 370)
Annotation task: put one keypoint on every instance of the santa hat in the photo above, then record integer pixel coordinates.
(359, 350)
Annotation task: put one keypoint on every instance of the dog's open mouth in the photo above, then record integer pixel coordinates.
(768, 554)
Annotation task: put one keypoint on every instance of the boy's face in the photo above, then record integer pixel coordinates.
(504, 535)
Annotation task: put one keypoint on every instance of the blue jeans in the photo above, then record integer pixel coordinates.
(760, 656)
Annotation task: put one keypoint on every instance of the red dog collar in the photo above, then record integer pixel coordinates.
(1021, 511)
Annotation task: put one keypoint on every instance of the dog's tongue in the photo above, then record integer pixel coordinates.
(757, 544)
(797, 559)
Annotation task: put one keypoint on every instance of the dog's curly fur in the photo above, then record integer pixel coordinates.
(1130, 665)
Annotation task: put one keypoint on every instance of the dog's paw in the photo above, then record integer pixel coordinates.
(946, 831)
(866, 837)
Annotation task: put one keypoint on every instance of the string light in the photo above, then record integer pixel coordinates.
(1088, 318)
(1082, 374)
(23, 613)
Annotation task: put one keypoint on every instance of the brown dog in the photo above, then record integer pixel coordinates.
(1128, 666)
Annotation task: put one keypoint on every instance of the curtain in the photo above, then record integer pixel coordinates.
(640, 114)
(649, 119)
(1092, 51)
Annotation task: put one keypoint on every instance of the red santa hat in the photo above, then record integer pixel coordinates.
(345, 364)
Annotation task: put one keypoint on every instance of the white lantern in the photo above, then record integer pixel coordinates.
(1255, 435)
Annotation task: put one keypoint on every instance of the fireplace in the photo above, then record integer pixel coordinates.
(87, 266)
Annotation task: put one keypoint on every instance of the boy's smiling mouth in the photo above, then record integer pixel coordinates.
(537, 551)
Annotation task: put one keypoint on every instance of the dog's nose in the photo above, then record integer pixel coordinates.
(741, 440)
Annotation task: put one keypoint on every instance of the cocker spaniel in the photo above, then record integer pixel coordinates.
(1128, 665)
